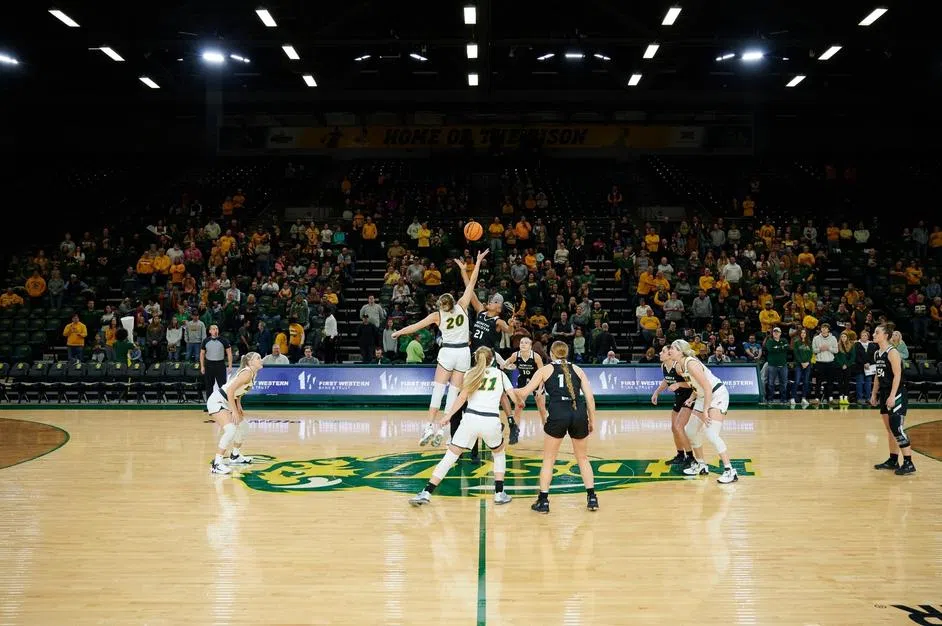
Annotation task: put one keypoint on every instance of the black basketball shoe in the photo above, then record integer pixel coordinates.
(540, 506)
(888, 464)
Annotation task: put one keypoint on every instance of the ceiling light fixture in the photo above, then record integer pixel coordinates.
(752, 55)
(634, 80)
(65, 19)
(725, 57)
(545, 57)
(417, 57)
(829, 53)
(149, 82)
(266, 18)
(362, 58)
(216, 58)
(8, 60)
(602, 57)
(309, 80)
(472, 50)
(236, 57)
(873, 17)
(114, 56)
(574, 55)
(793, 82)
(291, 52)
(651, 50)
(470, 15)
(472, 80)
(671, 17)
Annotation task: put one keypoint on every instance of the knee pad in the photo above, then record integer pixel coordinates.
(445, 464)
(694, 430)
(896, 427)
(713, 436)
(438, 392)
(228, 434)
(241, 431)
(500, 462)
(450, 399)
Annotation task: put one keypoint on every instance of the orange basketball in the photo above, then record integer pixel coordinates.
(473, 231)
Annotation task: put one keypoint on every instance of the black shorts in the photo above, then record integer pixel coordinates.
(563, 420)
(680, 397)
(901, 404)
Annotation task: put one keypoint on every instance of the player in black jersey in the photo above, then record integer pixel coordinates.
(680, 413)
(526, 362)
(571, 409)
(485, 332)
(889, 393)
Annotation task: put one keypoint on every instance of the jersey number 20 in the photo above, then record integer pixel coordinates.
(453, 322)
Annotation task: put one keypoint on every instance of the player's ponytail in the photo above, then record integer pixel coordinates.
(446, 302)
(482, 360)
(683, 347)
(560, 351)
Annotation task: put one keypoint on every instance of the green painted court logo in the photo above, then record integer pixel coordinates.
(408, 473)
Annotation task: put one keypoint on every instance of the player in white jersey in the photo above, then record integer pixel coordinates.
(483, 388)
(454, 356)
(225, 406)
(710, 407)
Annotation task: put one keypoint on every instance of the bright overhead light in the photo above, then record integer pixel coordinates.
(472, 50)
(417, 57)
(65, 19)
(829, 53)
(470, 15)
(291, 52)
(725, 57)
(574, 55)
(236, 57)
(671, 17)
(634, 80)
(753, 55)
(309, 80)
(651, 50)
(873, 17)
(472, 80)
(793, 82)
(149, 82)
(8, 60)
(114, 56)
(548, 55)
(362, 58)
(602, 57)
(266, 17)
(216, 58)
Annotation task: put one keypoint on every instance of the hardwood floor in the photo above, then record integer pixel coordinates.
(120, 522)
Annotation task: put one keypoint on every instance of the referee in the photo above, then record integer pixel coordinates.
(215, 359)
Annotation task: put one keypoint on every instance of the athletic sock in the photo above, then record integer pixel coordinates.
(908, 459)
(680, 453)
(590, 491)
(511, 421)
(498, 486)
(689, 455)
(543, 497)
(894, 458)
(429, 487)
(235, 452)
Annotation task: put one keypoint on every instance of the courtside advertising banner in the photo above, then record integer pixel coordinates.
(405, 383)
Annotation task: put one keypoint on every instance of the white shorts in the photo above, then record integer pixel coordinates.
(455, 359)
(216, 403)
(720, 401)
(473, 426)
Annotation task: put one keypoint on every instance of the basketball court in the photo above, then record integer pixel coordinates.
(112, 516)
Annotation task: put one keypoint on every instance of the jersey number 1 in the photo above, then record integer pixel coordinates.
(562, 381)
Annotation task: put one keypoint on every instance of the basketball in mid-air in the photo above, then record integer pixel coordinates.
(473, 231)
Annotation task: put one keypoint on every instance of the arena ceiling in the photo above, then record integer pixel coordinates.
(387, 53)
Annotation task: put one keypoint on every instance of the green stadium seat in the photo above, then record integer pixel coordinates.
(21, 323)
(22, 353)
(6, 337)
(6, 323)
(38, 338)
(20, 337)
(6, 352)
(36, 323)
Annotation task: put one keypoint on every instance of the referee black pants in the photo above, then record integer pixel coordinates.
(215, 375)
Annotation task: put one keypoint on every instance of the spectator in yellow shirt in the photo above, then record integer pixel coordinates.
(649, 325)
(913, 274)
(722, 286)
(810, 322)
(75, 334)
(36, 286)
(226, 242)
(495, 232)
(432, 278)
(707, 280)
(652, 240)
(145, 264)
(769, 318)
(646, 283)
(538, 320)
(295, 340)
(238, 200)
(10, 299)
(331, 297)
(162, 264)
(425, 235)
(661, 283)
(748, 207)
(806, 258)
(177, 272)
(522, 229)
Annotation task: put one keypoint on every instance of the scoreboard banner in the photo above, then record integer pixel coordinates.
(407, 384)
(552, 136)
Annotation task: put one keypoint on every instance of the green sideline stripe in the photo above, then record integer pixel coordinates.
(482, 565)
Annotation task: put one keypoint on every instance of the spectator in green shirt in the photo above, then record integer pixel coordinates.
(801, 347)
(414, 351)
(776, 350)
